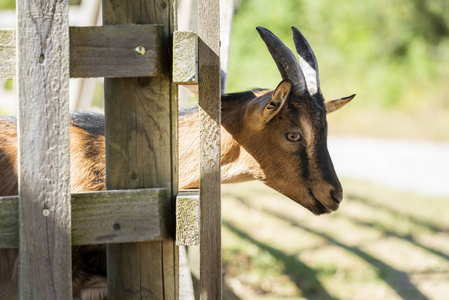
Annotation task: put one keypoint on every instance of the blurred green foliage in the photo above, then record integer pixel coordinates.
(393, 54)
(11, 4)
(7, 4)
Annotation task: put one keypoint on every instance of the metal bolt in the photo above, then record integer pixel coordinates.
(45, 212)
(140, 50)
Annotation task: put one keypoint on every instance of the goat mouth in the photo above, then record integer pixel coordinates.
(318, 208)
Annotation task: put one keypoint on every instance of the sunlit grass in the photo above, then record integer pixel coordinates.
(381, 244)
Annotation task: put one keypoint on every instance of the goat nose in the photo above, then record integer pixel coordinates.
(337, 195)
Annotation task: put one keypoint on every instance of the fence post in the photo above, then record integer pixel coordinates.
(210, 125)
(140, 153)
(43, 134)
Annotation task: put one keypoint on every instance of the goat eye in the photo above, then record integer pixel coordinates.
(294, 137)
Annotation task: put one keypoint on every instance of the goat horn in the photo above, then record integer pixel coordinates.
(307, 61)
(284, 58)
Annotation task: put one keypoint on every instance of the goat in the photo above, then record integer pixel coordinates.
(276, 136)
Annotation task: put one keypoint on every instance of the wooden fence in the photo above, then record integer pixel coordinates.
(136, 217)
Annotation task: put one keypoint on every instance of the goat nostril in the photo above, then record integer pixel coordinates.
(337, 196)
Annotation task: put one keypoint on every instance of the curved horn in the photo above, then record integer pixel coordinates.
(307, 61)
(285, 59)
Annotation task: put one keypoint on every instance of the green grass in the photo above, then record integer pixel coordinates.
(381, 244)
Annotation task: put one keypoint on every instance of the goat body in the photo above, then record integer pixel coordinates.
(276, 136)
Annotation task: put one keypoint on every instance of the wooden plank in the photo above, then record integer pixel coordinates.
(187, 218)
(110, 51)
(185, 57)
(9, 222)
(139, 154)
(188, 19)
(209, 109)
(119, 216)
(43, 146)
(100, 217)
(7, 54)
(101, 51)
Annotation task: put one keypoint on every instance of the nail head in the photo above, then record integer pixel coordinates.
(140, 50)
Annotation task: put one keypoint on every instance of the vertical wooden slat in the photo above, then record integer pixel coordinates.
(139, 127)
(7, 54)
(44, 190)
(209, 103)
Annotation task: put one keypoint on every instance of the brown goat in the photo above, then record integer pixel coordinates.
(276, 136)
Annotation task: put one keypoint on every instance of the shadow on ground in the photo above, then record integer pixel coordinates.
(309, 279)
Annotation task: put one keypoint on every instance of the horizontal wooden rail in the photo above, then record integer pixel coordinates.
(101, 51)
(185, 57)
(100, 217)
(7, 53)
(188, 218)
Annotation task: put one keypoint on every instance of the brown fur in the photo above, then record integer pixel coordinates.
(254, 146)
(8, 187)
(87, 174)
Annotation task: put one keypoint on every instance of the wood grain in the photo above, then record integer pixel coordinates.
(100, 217)
(185, 57)
(139, 154)
(118, 216)
(7, 54)
(9, 222)
(101, 51)
(210, 191)
(109, 51)
(43, 142)
(187, 219)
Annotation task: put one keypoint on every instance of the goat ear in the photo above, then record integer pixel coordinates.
(277, 101)
(335, 104)
(263, 109)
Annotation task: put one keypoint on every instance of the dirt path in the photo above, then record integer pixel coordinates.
(421, 167)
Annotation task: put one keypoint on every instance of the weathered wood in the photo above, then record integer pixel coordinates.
(119, 216)
(209, 109)
(7, 54)
(101, 51)
(187, 218)
(110, 51)
(100, 217)
(43, 142)
(9, 222)
(185, 57)
(139, 153)
(188, 20)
